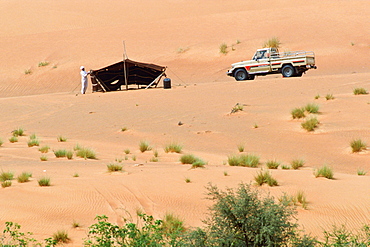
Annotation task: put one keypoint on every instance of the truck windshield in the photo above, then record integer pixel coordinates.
(259, 55)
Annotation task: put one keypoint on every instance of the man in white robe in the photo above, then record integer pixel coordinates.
(84, 82)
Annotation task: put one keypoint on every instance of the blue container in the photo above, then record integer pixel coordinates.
(166, 83)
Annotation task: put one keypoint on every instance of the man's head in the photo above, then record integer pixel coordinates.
(82, 68)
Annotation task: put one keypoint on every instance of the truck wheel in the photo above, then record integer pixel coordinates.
(288, 71)
(251, 77)
(241, 75)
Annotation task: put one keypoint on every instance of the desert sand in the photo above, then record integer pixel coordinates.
(184, 36)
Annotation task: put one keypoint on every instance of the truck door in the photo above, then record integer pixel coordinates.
(262, 62)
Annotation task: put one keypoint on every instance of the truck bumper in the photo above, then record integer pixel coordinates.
(309, 66)
(230, 72)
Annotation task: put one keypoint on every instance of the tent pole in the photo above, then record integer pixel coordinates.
(124, 64)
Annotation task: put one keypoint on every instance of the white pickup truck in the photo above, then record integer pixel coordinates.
(270, 61)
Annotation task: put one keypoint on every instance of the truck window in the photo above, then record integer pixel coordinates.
(259, 55)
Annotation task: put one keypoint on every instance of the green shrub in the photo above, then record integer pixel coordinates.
(312, 108)
(297, 163)
(18, 132)
(44, 158)
(199, 163)
(61, 139)
(6, 183)
(310, 124)
(273, 42)
(33, 142)
(69, 154)
(358, 91)
(44, 181)
(4, 176)
(329, 97)
(61, 236)
(60, 153)
(248, 160)
(13, 139)
(361, 172)
(341, 236)
(358, 145)
(144, 146)
(223, 48)
(86, 153)
(173, 148)
(43, 63)
(44, 149)
(324, 171)
(24, 177)
(188, 159)
(298, 113)
(272, 164)
(263, 177)
(114, 167)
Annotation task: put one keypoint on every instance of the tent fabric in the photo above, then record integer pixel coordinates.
(112, 77)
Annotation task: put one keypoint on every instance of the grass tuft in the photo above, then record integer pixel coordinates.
(361, 172)
(187, 180)
(44, 181)
(358, 145)
(285, 167)
(76, 175)
(114, 167)
(61, 236)
(6, 176)
(126, 151)
(324, 171)
(60, 153)
(312, 108)
(123, 129)
(44, 149)
(44, 158)
(297, 163)
(69, 154)
(6, 183)
(27, 71)
(359, 91)
(310, 124)
(18, 132)
(263, 177)
(237, 107)
(223, 48)
(43, 63)
(86, 153)
(241, 148)
(1, 142)
(199, 163)
(61, 139)
(329, 97)
(24, 177)
(173, 147)
(248, 160)
(272, 164)
(298, 113)
(33, 142)
(273, 42)
(144, 146)
(188, 159)
(13, 139)
(75, 224)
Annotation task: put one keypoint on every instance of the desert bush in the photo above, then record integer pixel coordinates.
(358, 91)
(61, 236)
(24, 177)
(27, 71)
(6, 183)
(133, 157)
(18, 132)
(75, 224)
(317, 96)
(44, 158)
(86, 153)
(144, 146)
(285, 167)
(4, 176)
(187, 180)
(273, 42)
(188, 159)
(155, 153)
(123, 129)
(44, 181)
(126, 151)
(242, 217)
(324, 171)
(43, 63)
(60, 153)
(237, 107)
(199, 163)
(69, 154)
(44, 149)
(61, 139)
(329, 97)
(173, 147)
(114, 167)
(358, 145)
(341, 236)
(33, 142)
(226, 173)
(241, 148)
(76, 175)
(223, 48)
(298, 113)
(361, 172)
(310, 124)
(312, 108)
(272, 164)
(248, 160)
(290, 200)
(172, 224)
(301, 198)
(264, 177)
(297, 163)
(154, 159)
(13, 139)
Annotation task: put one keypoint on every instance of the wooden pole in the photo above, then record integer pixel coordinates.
(124, 64)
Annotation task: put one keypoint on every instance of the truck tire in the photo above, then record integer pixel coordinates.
(288, 71)
(241, 75)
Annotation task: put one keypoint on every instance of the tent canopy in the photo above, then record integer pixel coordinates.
(113, 77)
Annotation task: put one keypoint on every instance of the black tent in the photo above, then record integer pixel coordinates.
(124, 73)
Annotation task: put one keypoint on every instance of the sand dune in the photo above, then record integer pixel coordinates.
(184, 36)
